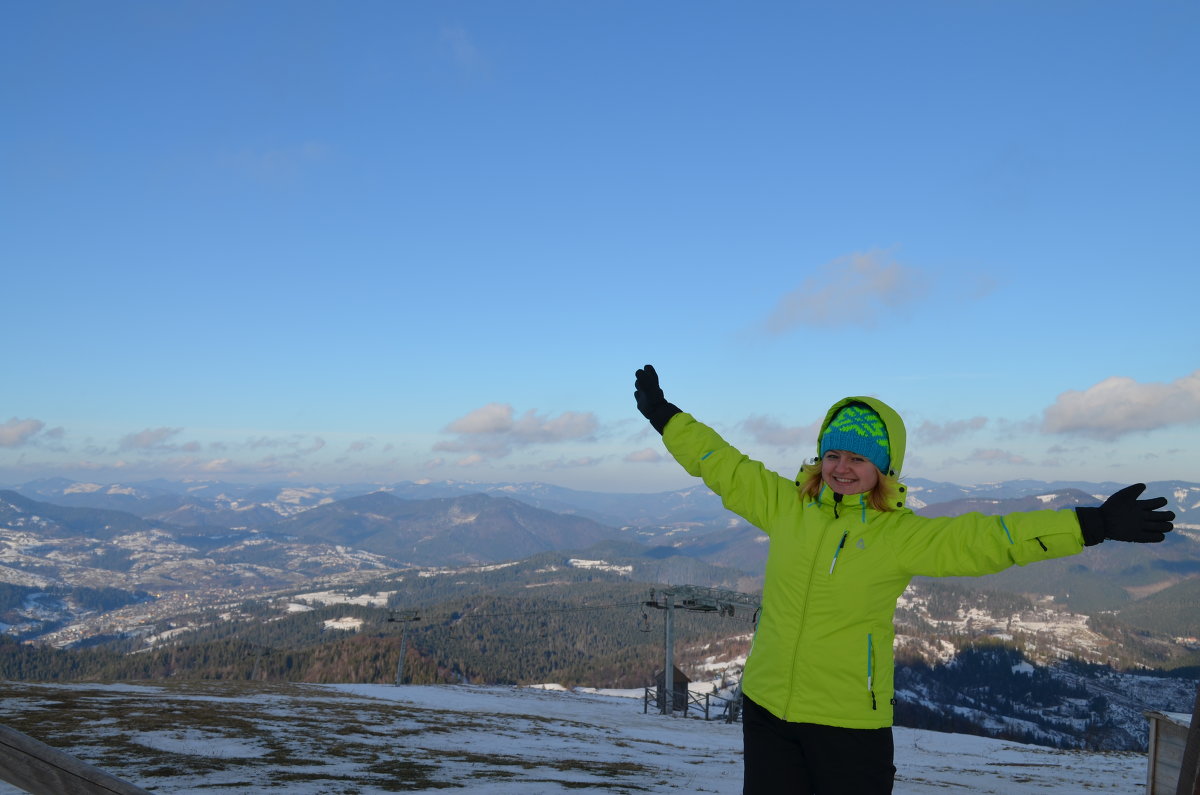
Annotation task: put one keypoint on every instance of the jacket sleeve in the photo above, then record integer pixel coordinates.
(975, 544)
(744, 485)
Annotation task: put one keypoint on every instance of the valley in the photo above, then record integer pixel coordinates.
(529, 584)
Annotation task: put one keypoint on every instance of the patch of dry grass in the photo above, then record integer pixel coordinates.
(249, 737)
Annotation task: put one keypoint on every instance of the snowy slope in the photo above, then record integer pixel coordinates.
(222, 738)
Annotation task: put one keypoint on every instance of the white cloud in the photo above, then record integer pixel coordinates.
(558, 464)
(292, 446)
(988, 456)
(768, 431)
(647, 455)
(858, 289)
(470, 460)
(15, 432)
(1118, 406)
(268, 442)
(530, 428)
(996, 456)
(936, 433)
(494, 447)
(492, 418)
(149, 439)
(494, 430)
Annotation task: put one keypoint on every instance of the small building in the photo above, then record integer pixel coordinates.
(1168, 740)
(679, 684)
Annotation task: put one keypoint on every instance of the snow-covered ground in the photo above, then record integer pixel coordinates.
(222, 738)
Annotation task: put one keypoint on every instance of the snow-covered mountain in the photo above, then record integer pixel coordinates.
(695, 508)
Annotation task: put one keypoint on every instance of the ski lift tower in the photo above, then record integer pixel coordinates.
(405, 618)
(697, 599)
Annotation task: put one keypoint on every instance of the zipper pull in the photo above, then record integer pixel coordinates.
(838, 551)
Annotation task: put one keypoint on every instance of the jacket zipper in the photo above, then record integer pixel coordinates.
(838, 551)
(871, 669)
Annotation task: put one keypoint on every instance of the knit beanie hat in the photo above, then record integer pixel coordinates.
(860, 430)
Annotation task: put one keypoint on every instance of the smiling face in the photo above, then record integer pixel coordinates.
(848, 473)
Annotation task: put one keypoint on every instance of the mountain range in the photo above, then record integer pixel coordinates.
(167, 536)
(223, 567)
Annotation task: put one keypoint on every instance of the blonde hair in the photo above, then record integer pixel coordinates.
(883, 496)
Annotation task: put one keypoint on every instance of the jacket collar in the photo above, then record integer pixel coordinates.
(827, 496)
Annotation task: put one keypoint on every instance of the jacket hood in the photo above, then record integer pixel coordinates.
(891, 421)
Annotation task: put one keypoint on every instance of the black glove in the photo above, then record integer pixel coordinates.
(1123, 517)
(650, 400)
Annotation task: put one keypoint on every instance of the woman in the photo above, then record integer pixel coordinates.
(818, 683)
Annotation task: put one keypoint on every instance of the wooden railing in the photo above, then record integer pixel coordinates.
(710, 705)
(36, 767)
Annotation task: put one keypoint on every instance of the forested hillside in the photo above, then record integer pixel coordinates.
(572, 632)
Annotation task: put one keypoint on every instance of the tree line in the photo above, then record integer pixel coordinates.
(594, 634)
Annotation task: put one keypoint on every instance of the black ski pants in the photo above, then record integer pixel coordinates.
(811, 759)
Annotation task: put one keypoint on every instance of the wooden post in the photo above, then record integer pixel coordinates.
(36, 767)
(1189, 769)
(1152, 755)
(669, 653)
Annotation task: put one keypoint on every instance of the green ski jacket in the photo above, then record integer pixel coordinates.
(822, 652)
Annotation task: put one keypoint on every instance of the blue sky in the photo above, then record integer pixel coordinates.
(383, 241)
